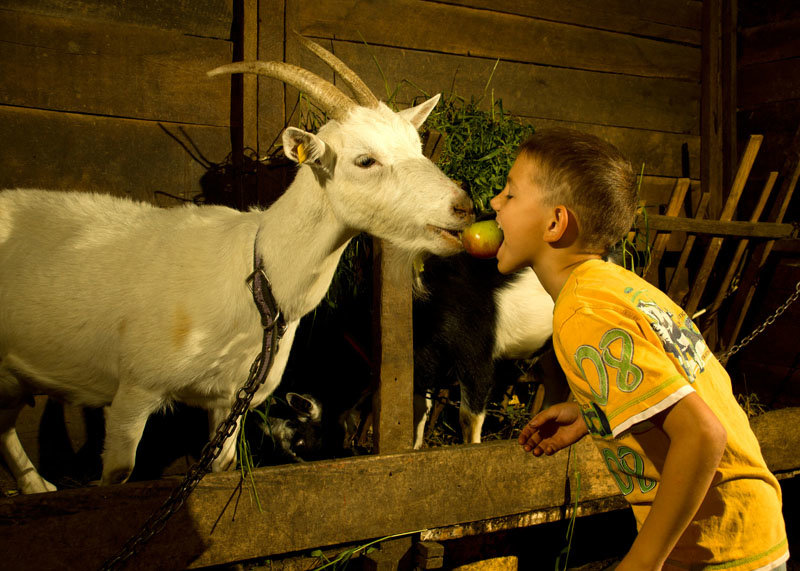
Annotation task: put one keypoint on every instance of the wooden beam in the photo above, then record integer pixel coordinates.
(249, 81)
(711, 146)
(314, 504)
(394, 350)
(741, 303)
(443, 28)
(299, 506)
(742, 245)
(675, 282)
(673, 208)
(112, 70)
(719, 228)
(707, 265)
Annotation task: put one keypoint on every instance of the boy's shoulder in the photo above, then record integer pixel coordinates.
(597, 284)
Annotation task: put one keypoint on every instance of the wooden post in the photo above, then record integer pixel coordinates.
(249, 81)
(707, 265)
(749, 281)
(394, 351)
(673, 209)
(740, 248)
(675, 282)
(711, 169)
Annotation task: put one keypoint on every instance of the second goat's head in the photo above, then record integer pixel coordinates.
(367, 160)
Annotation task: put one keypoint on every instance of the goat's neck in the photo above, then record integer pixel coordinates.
(301, 242)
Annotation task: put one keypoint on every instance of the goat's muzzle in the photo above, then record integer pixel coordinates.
(464, 209)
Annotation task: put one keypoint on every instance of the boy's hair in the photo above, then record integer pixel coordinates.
(590, 177)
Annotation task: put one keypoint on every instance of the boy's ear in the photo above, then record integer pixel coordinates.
(557, 225)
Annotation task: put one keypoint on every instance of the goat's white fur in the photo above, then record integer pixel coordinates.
(107, 302)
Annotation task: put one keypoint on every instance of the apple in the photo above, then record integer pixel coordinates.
(482, 239)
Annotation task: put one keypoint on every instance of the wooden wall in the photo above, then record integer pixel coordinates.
(113, 97)
(769, 78)
(94, 94)
(769, 104)
(629, 72)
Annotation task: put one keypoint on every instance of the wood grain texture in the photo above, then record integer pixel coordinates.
(64, 151)
(207, 18)
(328, 502)
(450, 29)
(527, 90)
(109, 69)
(674, 20)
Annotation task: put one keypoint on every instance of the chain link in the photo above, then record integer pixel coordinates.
(211, 452)
(769, 321)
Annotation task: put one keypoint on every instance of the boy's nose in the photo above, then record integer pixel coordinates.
(495, 203)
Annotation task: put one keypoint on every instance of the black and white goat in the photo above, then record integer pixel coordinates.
(470, 318)
(108, 302)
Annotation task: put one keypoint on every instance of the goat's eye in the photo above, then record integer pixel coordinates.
(365, 161)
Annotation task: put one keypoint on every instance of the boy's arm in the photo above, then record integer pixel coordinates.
(697, 440)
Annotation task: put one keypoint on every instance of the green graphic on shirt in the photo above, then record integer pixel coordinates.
(588, 352)
(596, 421)
(628, 376)
(623, 473)
(624, 363)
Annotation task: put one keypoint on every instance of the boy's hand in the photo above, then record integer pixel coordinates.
(553, 429)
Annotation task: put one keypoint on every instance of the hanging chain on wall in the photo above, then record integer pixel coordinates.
(760, 329)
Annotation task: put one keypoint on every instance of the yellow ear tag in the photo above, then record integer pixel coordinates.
(301, 153)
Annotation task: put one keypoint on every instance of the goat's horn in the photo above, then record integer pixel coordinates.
(364, 95)
(329, 97)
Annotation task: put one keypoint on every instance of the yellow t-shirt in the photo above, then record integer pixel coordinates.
(629, 352)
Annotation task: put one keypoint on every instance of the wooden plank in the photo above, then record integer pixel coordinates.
(208, 18)
(302, 506)
(711, 148)
(662, 154)
(464, 31)
(675, 283)
(770, 42)
(664, 19)
(109, 69)
(656, 190)
(733, 266)
(537, 92)
(325, 503)
(598, 493)
(748, 158)
(249, 81)
(769, 83)
(717, 228)
(394, 350)
(749, 281)
(660, 243)
(271, 114)
(47, 149)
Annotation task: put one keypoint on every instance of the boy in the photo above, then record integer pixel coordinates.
(656, 401)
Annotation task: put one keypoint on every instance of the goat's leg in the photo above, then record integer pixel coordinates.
(422, 410)
(28, 479)
(125, 421)
(227, 456)
(472, 411)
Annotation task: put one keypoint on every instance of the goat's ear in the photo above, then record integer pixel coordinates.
(304, 147)
(416, 115)
(305, 406)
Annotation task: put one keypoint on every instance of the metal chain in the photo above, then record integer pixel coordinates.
(211, 452)
(769, 321)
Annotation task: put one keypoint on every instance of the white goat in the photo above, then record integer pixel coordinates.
(107, 302)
